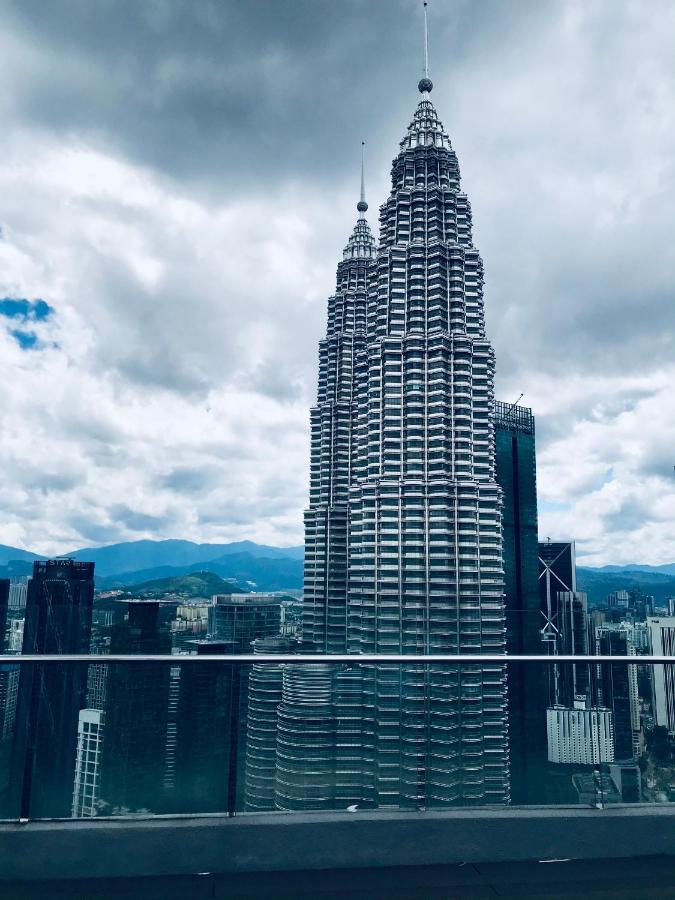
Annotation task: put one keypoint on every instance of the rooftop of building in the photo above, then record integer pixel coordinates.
(620, 852)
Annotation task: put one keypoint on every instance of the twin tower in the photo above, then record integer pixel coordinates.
(403, 545)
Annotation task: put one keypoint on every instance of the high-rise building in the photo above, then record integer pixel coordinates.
(4, 605)
(573, 639)
(557, 572)
(18, 592)
(209, 724)
(133, 758)
(580, 735)
(87, 784)
(9, 681)
(618, 689)
(306, 726)
(516, 475)
(403, 530)
(662, 643)
(264, 696)
(239, 619)
(58, 620)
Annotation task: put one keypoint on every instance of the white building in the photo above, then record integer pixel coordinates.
(15, 635)
(579, 735)
(88, 763)
(662, 642)
(18, 592)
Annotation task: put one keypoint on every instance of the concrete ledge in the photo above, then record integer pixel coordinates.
(283, 842)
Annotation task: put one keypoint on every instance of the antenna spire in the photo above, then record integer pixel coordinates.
(362, 206)
(426, 84)
(426, 43)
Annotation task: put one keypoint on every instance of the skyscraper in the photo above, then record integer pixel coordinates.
(264, 696)
(9, 680)
(209, 723)
(517, 477)
(662, 643)
(580, 735)
(87, 784)
(557, 572)
(618, 685)
(136, 707)
(58, 620)
(403, 530)
(241, 618)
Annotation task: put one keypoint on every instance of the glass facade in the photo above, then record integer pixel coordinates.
(516, 474)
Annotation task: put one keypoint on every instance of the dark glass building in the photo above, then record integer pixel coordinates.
(133, 757)
(557, 572)
(517, 477)
(213, 704)
(209, 713)
(239, 619)
(58, 620)
(9, 679)
(618, 690)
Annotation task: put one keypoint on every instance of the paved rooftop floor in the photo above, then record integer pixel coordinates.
(602, 879)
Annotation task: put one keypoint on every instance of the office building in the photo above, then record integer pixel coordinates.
(87, 784)
(579, 735)
(239, 619)
(133, 758)
(306, 727)
(516, 475)
(572, 639)
(264, 696)
(58, 620)
(209, 723)
(662, 643)
(18, 593)
(618, 689)
(557, 572)
(9, 683)
(403, 530)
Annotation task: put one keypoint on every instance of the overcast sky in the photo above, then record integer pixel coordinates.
(178, 178)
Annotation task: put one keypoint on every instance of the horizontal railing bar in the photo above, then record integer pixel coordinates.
(333, 658)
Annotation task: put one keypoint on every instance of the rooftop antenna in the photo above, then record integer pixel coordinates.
(362, 206)
(426, 84)
(512, 408)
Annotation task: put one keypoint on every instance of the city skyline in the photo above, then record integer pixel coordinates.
(149, 389)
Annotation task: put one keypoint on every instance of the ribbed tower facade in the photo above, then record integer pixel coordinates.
(403, 532)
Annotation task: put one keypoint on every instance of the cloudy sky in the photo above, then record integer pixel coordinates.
(177, 180)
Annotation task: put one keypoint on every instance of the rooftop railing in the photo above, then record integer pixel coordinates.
(141, 735)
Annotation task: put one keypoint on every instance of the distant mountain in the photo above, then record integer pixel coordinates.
(598, 583)
(198, 584)
(262, 573)
(667, 569)
(138, 556)
(10, 554)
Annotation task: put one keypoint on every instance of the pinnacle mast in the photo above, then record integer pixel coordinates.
(362, 206)
(425, 84)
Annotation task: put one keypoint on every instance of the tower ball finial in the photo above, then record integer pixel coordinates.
(425, 85)
(362, 206)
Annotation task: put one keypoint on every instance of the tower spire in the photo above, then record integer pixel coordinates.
(426, 84)
(362, 206)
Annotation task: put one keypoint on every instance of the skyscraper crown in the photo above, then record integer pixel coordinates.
(426, 129)
(361, 244)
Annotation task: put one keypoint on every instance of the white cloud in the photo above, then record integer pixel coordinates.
(184, 222)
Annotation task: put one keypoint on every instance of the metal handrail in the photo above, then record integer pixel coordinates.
(333, 658)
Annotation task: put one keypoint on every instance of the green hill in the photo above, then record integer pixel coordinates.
(196, 584)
